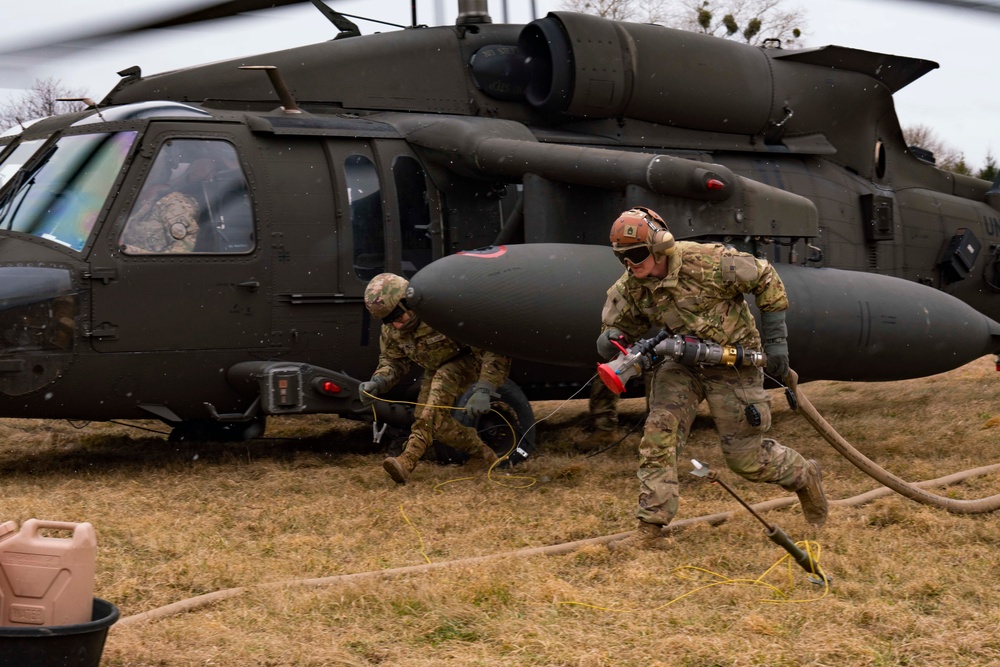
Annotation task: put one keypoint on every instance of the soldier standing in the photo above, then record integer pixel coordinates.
(449, 367)
(697, 289)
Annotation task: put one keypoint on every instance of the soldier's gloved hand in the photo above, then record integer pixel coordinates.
(605, 347)
(367, 391)
(479, 402)
(775, 344)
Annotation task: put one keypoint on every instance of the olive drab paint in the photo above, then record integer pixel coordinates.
(319, 175)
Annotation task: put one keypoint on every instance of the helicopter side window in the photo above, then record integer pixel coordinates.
(414, 214)
(364, 193)
(194, 200)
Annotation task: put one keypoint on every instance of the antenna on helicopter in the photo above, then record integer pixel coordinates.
(345, 25)
(91, 104)
(288, 103)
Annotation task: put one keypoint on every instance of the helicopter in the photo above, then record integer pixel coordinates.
(474, 159)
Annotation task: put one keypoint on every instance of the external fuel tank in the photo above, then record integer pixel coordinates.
(542, 302)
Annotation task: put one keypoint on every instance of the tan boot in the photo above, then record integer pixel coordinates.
(400, 467)
(814, 505)
(647, 537)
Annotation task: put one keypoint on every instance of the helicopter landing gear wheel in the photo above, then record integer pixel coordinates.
(511, 411)
(209, 430)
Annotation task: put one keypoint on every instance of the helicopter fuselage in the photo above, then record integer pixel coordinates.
(410, 147)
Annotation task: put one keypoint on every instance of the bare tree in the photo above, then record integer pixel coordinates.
(750, 21)
(615, 10)
(925, 144)
(39, 101)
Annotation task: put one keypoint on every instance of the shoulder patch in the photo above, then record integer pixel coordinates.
(738, 268)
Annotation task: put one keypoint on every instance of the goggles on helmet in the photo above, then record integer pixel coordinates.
(635, 254)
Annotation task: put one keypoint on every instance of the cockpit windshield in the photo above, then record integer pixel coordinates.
(17, 157)
(58, 191)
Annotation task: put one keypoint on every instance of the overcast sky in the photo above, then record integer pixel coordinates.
(960, 100)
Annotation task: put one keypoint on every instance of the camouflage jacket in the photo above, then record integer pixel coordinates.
(167, 225)
(430, 350)
(701, 295)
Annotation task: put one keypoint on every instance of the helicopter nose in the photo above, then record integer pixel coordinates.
(39, 308)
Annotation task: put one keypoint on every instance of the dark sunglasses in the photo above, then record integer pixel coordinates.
(636, 254)
(395, 314)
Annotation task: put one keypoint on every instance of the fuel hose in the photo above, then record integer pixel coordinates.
(876, 472)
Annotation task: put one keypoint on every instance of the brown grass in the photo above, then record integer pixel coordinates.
(912, 585)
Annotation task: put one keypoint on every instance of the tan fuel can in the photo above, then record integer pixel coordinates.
(46, 573)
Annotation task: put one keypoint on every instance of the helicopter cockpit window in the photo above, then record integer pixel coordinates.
(365, 195)
(194, 200)
(60, 190)
(414, 213)
(17, 157)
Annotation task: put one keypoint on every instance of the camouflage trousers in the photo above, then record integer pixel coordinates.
(675, 393)
(603, 406)
(442, 388)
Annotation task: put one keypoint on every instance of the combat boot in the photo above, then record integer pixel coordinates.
(647, 537)
(811, 496)
(400, 467)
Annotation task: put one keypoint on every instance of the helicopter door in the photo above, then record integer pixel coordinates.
(180, 266)
(413, 229)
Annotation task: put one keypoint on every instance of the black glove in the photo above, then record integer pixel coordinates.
(775, 344)
(607, 349)
(479, 402)
(367, 391)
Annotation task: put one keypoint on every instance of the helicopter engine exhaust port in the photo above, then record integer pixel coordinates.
(587, 66)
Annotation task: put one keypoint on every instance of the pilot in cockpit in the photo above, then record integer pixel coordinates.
(165, 217)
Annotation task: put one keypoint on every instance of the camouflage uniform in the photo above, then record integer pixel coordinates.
(165, 225)
(702, 295)
(603, 406)
(449, 368)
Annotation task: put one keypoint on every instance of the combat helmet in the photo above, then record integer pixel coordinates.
(385, 293)
(639, 232)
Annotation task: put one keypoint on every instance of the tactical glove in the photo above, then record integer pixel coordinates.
(479, 402)
(605, 347)
(775, 344)
(367, 391)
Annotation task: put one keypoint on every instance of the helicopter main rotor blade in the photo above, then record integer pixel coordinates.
(966, 4)
(211, 12)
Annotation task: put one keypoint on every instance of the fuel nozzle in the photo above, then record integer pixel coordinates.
(773, 531)
(686, 350)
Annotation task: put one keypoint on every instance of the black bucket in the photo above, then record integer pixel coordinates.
(78, 645)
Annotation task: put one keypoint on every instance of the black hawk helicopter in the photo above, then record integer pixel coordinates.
(484, 162)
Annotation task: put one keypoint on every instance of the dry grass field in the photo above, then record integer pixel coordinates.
(912, 585)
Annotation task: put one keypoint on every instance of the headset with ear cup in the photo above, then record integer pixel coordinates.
(640, 225)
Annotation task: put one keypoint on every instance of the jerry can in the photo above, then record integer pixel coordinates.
(46, 580)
